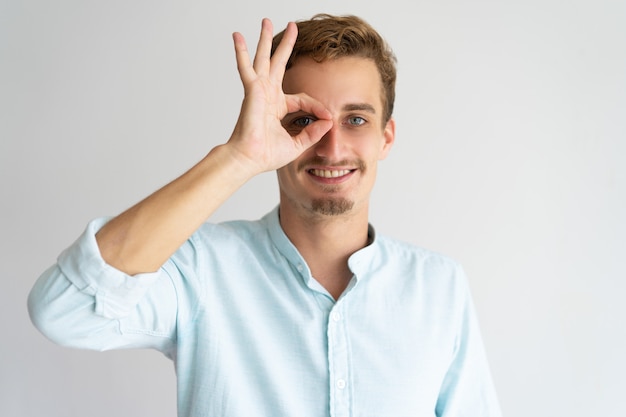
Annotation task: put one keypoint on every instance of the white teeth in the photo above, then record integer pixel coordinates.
(325, 173)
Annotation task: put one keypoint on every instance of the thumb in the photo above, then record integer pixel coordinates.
(313, 133)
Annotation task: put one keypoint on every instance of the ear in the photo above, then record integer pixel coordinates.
(389, 136)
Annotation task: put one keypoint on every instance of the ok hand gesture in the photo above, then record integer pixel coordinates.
(259, 139)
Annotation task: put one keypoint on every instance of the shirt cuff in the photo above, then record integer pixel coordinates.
(116, 293)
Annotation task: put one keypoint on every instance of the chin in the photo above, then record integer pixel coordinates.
(331, 206)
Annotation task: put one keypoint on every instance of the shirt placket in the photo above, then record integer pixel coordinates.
(339, 364)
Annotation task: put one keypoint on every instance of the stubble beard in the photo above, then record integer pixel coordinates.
(331, 206)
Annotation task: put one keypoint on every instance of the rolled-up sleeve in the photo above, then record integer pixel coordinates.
(83, 302)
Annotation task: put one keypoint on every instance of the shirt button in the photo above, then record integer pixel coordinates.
(300, 267)
(336, 316)
(341, 384)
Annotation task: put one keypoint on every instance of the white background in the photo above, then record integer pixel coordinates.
(510, 157)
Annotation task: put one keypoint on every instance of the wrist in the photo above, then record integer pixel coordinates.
(237, 166)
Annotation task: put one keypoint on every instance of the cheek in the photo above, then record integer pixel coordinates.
(287, 173)
(377, 152)
(281, 175)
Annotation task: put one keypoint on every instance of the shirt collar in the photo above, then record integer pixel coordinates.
(359, 262)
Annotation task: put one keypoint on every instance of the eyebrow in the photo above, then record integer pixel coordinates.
(360, 107)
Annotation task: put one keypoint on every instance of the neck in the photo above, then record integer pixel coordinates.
(326, 242)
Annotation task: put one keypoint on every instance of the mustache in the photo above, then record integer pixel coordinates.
(325, 162)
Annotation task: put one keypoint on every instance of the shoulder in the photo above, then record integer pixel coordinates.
(230, 233)
(413, 254)
(410, 262)
(215, 250)
(234, 229)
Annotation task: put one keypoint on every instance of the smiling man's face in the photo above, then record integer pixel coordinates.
(336, 175)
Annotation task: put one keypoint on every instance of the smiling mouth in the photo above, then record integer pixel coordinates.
(329, 173)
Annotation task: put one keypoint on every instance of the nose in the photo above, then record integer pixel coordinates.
(330, 146)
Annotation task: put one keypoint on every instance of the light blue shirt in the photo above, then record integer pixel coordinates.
(252, 333)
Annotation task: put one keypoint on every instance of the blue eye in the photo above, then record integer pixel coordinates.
(356, 121)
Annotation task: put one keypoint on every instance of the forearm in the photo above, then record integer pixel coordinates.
(143, 237)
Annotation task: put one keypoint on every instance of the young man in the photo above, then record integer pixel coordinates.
(306, 312)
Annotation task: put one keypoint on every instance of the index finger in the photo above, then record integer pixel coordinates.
(307, 104)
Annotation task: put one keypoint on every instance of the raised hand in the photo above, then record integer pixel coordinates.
(143, 237)
(259, 139)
